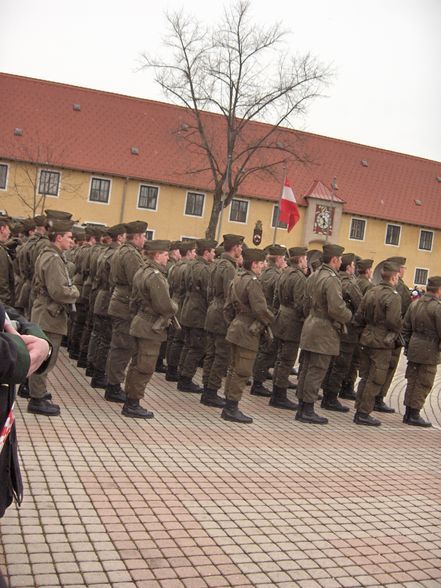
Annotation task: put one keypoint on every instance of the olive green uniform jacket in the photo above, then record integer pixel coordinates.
(221, 275)
(150, 303)
(176, 279)
(195, 305)
(246, 303)
(7, 279)
(352, 296)
(364, 284)
(405, 295)
(102, 278)
(328, 315)
(53, 291)
(379, 315)
(422, 330)
(290, 295)
(125, 262)
(269, 279)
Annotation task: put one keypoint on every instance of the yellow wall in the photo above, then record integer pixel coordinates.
(170, 222)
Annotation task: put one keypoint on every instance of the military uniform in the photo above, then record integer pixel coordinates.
(422, 333)
(79, 320)
(379, 315)
(7, 279)
(320, 339)
(247, 304)
(151, 308)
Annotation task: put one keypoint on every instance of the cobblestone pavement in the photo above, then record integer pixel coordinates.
(190, 500)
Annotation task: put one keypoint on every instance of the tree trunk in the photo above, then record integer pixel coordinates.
(210, 232)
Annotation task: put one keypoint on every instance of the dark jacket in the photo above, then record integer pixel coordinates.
(422, 330)
(222, 273)
(290, 294)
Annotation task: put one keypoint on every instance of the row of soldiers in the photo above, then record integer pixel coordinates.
(125, 302)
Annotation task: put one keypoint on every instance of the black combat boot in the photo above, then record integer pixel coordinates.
(347, 392)
(73, 354)
(23, 390)
(291, 385)
(416, 419)
(210, 398)
(362, 418)
(268, 375)
(279, 399)
(114, 393)
(90, 370)
(406, 414)
(82, 361)
(381, 406)
(134, 410)
(306, 414)
(258, 389)
(43, 406)
(98, 380)
(330, 402)
(160, 367)
(187, 385)
(232, 413)
(171, 375)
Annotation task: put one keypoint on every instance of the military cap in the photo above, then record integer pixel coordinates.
(364, 264)
(219, 250)
(56, 225)
(434, 282)
(136, 227)
(275, 250)
(157, 245)
(17, 228)
(205, 244)
(390, 266)
(58, 214)
(175, 245)
(398, 260)
(186, 246)
(254, 254)
(78, 233)
(333, 250)
(29, 224)
(116, 230)
(40, 220)
(297, 251)
(347, 259)
(5, 218)
(230, 240)
(94, 231)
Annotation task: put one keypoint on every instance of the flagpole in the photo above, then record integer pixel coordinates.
(278, 206)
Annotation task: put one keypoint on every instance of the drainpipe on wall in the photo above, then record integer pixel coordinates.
(123, 200)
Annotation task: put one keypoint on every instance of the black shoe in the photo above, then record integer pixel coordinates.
(75, 355)
(210, 398)
(416, 420)
(347, 394)
(114, 393)
(306, 414)
(268, 376)
(64, 341)
(361, 418)
(23, 390)
(406, 415)
(171, 375)
(333, 404)
(258, 389)
(160, 368)
(90, 370)
(381, 406)
(82, 362)
(133, 410)
(279, 399)
(98, 380)
(291, 385)
(187, 385)
(232, 413)
(43, 406)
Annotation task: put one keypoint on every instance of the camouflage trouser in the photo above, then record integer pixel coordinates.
(217, 358)
(174, 348)
(374, 369)
(313, 370)
(265, 359)
(100, 342)
(122, 347)
(78, 323)
(285, 360)
(420, 379)
(393, 363)
(338, 369)
(141, 368)
(192, 352)
(239, 370)
(37, 382)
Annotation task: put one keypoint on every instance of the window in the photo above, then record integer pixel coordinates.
(3, 176)
(421, 276)
(239, 210)
(358, 229)
(99, 190)
(426, 240)
(148, 197)
(49, 182)
(150, 234)
(393, 233)
(194, 205)
(275, 219)
(183, 238)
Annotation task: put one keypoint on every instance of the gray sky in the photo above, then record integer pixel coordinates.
(386, 54)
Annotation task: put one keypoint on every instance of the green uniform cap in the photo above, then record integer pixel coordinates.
(254, 254)
(29, 224)
(186, 246)
(40, 220)
(116, 230)
(78, 233)
(175, 245)
(297, 251)
(434, 282)
(230, 240)
(398, 260)
(347, 259)
(95, 231)
(56, 225)
(364, 264)
(58, 214)
(205, 244)
(333, 250)
(17, 228)
(275, 250)
(157, 245)
(135, 227)
(390, 266)
(219, 250)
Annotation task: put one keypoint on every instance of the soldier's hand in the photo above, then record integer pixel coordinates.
(38, 351)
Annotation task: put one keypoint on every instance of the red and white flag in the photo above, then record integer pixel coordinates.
(288, 213)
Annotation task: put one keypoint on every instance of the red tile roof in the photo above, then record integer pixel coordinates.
(319, 190)
(98, 138)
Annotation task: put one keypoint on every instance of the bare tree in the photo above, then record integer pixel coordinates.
(244, 73)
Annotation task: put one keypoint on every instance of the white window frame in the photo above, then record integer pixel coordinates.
(51, 171)
(365, 229)
(419, 241)
(385, 235)
(5, 189)
(248, 211)
(90, 189)
(273, 226)
(203, 205)
(150, 231)
(426, 269)
(139, 195)
(92, 222)
(188, 238)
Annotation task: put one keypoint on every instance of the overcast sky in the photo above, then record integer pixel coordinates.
(386, 55)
